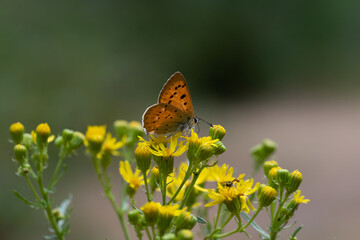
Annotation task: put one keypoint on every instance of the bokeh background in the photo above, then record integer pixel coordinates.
(287, 71)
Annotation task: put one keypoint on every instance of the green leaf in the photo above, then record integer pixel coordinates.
(296, 231)
(25, 200)
(264, 234)
(200, 220)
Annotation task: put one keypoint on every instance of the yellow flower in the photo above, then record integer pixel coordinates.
(34, 137)
(195, 143)
(94, 137)
(110, 145)
(17, 131)
(174, 149)
(222, 174)
(173, 186)
(300, 199)
(166, 214)
(151, 211)
(155, 140)
(234, 197)
(134, 180)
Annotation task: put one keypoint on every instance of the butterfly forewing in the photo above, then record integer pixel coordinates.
(176, 93)
(163, 118)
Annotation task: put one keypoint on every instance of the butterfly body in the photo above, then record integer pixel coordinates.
(174, 111)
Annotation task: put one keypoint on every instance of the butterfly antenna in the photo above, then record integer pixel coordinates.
(204, 121)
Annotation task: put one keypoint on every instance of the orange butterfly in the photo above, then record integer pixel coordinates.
(174, 111)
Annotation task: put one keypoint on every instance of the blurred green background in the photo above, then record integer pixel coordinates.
(284, 70)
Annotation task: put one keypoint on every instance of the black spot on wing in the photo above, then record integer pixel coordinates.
(182, 96)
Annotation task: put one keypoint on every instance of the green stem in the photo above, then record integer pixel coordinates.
(227, 220)
(146, 187)
(238, 229)
(45, 196)
(217, 216)
(187, 176)
(274, 221)
(148, 233)
(106, 185)
(32, 188)
(163, 192)
(189, 189)
(63, 154)
(252, 219)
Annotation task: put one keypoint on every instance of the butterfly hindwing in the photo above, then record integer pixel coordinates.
(176, 93)
(163, 118)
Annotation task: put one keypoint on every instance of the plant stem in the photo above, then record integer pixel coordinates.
(148, 233)
(217, 216)
(163, 192)
(189, 189)
(238, 229)
(252, 219)
(146, 187)
(63, 154)
(45, 196)
(33, 189)
(187, 176)
(274, 229)
(106, 185)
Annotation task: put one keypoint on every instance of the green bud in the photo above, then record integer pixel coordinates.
(17, 131)
(168, 236)
(217, 132)
(77, 140)
(57, 214)
(134, 217)
(154, 179)
(121, 128)
(259, 190)
(67, 134)
(43, 132)
(204, 152)
(268, 165)
(165, 165)
(151, 212)
(267, 196)
(135, 130)
(282, 177)
(269, 146)
(143, 157)
(59, 141)
(219, 149)
(294, 182)
(185, 234)
(20, 153)
(185, 221)
(27, 140)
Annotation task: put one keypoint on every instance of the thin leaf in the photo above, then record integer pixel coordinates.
(25, 200)
(200, 220)
(296, 231)
(256, 226)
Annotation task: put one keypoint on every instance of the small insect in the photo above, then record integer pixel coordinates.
(229, 183)
(174, 110)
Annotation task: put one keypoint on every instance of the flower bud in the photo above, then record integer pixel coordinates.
(151, 212)
(185, 234)
(59, 141)
(204, 152)
(135, 130)
(219, 149)
(67, 134)
(42, 133)
(185, 221)
(95, 136)
(294, 181)
(154, 179)
(259, 190)
(267, 196)
(268, 165)
(27, 140)
(121, 128)
(269, 146)
(217, 132)
(273, 172)
(134, 217)
(168, 236)
(165, 165)
(17, 131)
(20, 153)
(143, 157)
(77, 140)
(282, 177)
(57, 214)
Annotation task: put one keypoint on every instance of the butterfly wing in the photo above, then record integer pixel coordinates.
(163, 119)
(176, 93)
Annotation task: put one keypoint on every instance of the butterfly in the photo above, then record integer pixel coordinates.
(174, 110)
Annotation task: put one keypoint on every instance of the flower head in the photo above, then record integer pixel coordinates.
(94, 138)
(134, 180)
(175, 149)
(42, 134)
(110, 146)
(17, 131)
(151, 212)
(300, 199)
(235, 196)
(166, 214)
(222, 174)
